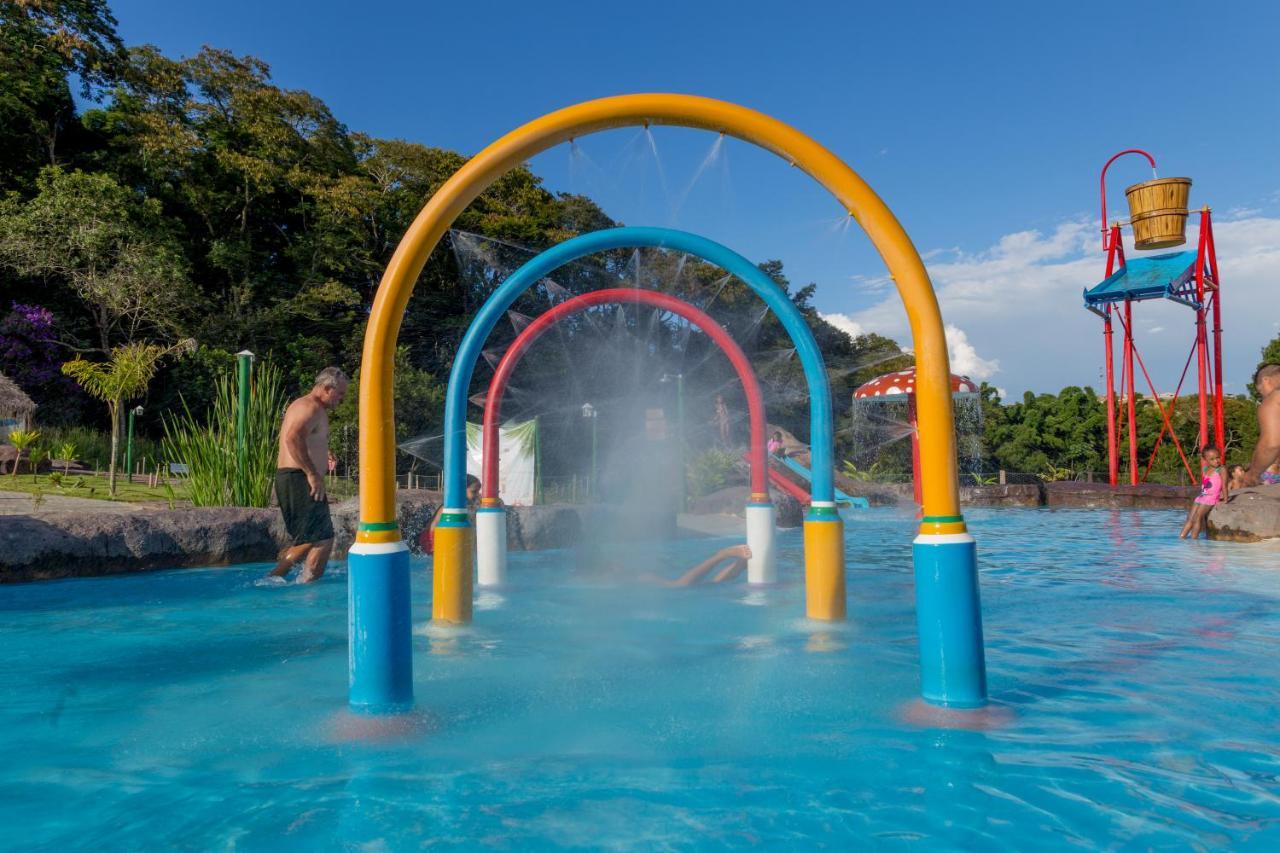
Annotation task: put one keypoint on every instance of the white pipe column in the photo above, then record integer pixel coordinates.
(491, 545)
(762, 539)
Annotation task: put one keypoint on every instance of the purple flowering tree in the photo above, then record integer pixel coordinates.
(31, 356)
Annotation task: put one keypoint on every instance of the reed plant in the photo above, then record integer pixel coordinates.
(215, 476)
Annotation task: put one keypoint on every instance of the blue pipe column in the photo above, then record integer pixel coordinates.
(379, 628)
(953, 670)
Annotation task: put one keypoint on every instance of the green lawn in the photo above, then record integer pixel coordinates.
(89, 486)
(135, 492)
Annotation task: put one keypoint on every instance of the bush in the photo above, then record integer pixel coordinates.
(712, 471)
(209, 450)
(93, 447)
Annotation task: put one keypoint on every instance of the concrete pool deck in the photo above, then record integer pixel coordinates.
(64, 537)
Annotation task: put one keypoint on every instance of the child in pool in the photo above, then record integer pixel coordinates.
(1213, 490)
(591, 560)
(1270, 477)
(736, 555)
(427, 538)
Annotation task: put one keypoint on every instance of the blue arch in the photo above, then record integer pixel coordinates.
(538, 268)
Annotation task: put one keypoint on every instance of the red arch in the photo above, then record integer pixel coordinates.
(699, 318)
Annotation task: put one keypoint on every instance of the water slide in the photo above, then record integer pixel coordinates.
(806, 475)
(785, 484)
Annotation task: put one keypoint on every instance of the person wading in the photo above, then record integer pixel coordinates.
(304, 452)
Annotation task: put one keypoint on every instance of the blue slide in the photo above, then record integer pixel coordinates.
(841, 497)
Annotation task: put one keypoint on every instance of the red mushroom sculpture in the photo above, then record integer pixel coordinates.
(900, 386)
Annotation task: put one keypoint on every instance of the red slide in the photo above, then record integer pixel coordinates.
(781, 482)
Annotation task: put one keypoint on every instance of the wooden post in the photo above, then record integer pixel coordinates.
(1003, 478)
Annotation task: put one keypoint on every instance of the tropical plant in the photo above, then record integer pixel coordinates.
(215, 476)
(67, 453)
(1054, 473)
(21, 439)
(985, 479)
(37, 455)
(711, 471)
(55, 478)
(114, 382)
(865, 475)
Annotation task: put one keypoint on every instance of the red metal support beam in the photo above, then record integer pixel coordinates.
(1115, 251)
(1102, 185)
(1113, 451)
(1127, 322)
(1155, 396)
(1219, 430)
(1167, 425)
(1202, 340)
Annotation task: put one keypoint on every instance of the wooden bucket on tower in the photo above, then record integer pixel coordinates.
(1158, 212)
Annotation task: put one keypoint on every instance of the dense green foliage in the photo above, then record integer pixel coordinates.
(1045, 433)
(195, 199)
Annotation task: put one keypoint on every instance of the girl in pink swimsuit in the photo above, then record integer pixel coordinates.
(1213, 491)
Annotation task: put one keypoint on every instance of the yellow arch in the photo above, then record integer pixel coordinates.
(939, 485)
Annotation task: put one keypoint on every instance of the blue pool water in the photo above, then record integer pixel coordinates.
(1135, 680)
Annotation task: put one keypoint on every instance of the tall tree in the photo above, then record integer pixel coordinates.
(113, 248)
(41, 43)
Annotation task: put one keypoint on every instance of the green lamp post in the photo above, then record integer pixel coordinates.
(589, 412)
(128, 446)
(244, 371)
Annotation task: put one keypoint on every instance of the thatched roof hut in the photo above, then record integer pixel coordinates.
(16, 408)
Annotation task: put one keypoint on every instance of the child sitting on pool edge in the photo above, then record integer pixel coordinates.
(1213, 491)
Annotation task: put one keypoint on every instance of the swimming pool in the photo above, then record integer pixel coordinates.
(1134, 678)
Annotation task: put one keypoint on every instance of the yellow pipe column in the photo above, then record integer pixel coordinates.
(824, 592)
(452, 569)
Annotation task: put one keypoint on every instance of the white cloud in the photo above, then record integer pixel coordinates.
(1019, 304)
(844, 323)
(965, 359)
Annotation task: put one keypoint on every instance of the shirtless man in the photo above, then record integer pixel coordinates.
(1267, 451)
(304, 451)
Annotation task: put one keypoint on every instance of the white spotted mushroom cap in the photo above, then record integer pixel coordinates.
(903, 384)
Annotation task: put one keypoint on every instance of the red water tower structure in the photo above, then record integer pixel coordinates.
(1158, 216)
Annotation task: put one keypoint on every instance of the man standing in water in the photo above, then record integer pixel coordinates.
(1267, 450)
(300, 465)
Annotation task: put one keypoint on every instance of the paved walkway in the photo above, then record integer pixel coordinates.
(20, 503)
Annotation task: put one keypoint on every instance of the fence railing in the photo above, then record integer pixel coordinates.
(573, 489)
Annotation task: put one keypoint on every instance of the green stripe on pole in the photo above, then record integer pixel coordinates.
(942, 519)
(379, 525)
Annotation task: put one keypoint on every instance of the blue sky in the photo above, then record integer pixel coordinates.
(983, 125)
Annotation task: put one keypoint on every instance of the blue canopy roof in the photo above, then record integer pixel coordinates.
(1168, 276)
